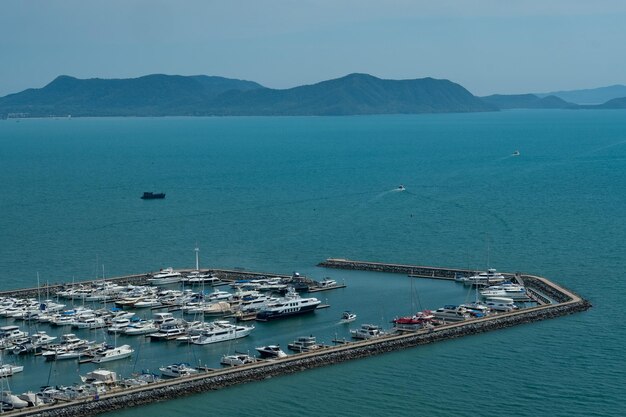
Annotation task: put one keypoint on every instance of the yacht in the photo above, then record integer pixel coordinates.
(237, 359)
(168, 333)
(271, 352)
(451, 313)
(165, 276)
(486, 278)
(327, 283)
(222, 331)
(177, 370)
(119, 325)
(304, 344)
(366, 331)
(510, 290)
(11, 332)
(112, 353)
(290, 305)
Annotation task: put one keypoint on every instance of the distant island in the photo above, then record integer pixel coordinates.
(354, 94)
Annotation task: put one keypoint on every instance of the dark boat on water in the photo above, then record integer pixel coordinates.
(152, 196)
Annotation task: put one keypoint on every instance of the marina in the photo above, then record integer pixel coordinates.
(181, 378)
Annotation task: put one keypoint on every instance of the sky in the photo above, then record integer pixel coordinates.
(488, 46)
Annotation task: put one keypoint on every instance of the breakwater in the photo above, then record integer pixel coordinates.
(565, 302)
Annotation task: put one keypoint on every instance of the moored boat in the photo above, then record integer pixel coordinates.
(290, 305)
(271, 352)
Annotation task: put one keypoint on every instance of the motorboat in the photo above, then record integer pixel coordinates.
(165, 276)
(222, 331)
(477, 309)
(347, 317)
(366, 331)
(8, 369)
(304, 344)
(112, 353)
(178, 370)
(271, 352)
(400, 188)
(237, 359)
(119, 325)
(451, 313)
(290, 305)
(197, 277)
(515, 153)
(326, 283)
(11, 332)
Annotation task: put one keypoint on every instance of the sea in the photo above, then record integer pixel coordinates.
(281, 194)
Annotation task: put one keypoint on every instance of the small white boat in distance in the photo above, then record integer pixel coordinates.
(400, 188)
(515, 153)
(347, 317)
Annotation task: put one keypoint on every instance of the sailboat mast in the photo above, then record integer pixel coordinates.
(197, 263)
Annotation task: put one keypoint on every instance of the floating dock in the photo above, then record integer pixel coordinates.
(560, 302)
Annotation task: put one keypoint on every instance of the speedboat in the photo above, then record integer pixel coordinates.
(271, 351)
(348, 317)
(400, 188)
(237, 359)
(177, 370)
(112, 354)
(366, 331)
(515, 153)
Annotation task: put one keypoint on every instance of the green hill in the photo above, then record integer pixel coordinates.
(166, 95)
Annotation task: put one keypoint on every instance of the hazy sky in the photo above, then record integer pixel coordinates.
(488, 46)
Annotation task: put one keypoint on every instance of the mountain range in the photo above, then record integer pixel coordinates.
(200, 95)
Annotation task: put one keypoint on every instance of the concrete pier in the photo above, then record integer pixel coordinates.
(564, 302)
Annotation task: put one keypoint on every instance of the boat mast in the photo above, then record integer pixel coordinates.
(196, 249)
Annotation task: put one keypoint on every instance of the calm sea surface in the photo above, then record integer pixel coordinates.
(282, 194)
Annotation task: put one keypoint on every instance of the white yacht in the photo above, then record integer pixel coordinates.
(510, 290)
(168, 333)
(347, 317)
(177, 370)
(112, 353)
(165, 276)
(222, 331)
(486, 278)
(237, 359)
(290, 305)
(451, 313)
(366, 331)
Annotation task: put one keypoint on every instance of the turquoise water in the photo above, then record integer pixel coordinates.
(282, 194)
